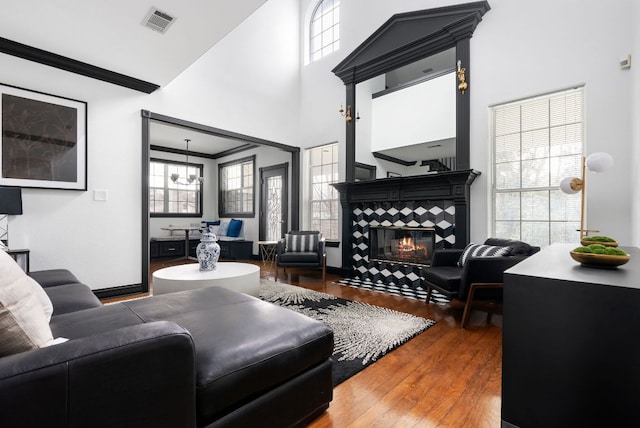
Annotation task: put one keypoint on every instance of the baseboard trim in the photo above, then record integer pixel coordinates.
(123, 290)
(339, 271)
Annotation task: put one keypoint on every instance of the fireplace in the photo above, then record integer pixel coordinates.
(439, 201)
(408, 245)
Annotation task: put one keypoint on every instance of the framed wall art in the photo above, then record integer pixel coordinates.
(44, 140)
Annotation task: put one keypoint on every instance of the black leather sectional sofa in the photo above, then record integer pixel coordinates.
(208, 357)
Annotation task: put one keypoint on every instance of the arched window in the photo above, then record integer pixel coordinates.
(324, 35)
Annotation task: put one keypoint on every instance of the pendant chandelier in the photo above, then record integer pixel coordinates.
(190, 178)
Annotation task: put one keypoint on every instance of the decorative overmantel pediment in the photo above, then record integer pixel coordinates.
(409, 36)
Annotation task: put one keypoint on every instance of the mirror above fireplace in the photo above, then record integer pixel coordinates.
(404, 39)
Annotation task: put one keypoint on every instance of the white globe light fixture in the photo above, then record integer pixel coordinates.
(596, 162)
(599, 162)
(571, 185)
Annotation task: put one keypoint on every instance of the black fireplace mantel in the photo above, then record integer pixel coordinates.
(443, 185)
(449, 185)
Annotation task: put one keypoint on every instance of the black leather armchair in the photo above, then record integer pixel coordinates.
(293, 256)
(481, 278)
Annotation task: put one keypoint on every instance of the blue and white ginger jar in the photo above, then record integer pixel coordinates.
(208, 251)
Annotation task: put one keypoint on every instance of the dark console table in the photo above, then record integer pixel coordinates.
(236, 250)
(172, 247)
(175, 247)
(571, 342)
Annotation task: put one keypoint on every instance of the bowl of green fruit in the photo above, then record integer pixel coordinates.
(599, 256)
(602, 240)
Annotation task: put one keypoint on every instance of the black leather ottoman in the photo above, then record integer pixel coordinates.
(256, 364)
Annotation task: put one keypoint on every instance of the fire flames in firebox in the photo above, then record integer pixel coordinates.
(408, 249)
(408, 245)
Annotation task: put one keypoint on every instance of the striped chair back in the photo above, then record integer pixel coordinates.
(297, 242)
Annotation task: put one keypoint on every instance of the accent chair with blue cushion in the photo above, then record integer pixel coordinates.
(301, 249)
(475, 272)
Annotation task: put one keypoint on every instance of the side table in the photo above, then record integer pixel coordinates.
(267, 250)
(21, 256)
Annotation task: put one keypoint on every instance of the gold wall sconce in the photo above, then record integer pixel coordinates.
(347, 115)
(462, 85)
(596, 162)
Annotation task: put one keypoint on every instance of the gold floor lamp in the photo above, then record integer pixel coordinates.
(596, 162)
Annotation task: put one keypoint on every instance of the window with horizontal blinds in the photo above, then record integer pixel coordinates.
(536, 143)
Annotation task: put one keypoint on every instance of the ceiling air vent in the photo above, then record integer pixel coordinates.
(158, 21)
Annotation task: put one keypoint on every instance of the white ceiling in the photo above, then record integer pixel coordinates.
(173, 137)
(111, 35)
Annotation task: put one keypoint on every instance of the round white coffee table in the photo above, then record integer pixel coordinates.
(242, 277)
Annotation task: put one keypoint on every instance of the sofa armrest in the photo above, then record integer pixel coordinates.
(53, 277)
(446, 257)
(141, 375)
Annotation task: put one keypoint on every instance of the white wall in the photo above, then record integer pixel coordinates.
(97, 240)
(520, 49)
(635, 140)
(511, 58)
(247, 83)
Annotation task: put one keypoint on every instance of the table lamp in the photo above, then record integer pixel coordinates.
(10, 204)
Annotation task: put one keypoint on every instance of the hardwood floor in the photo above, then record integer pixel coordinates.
(445, 377)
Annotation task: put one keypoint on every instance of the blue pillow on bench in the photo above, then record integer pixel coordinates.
(234, 228)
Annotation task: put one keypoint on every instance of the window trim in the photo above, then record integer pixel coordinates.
(200, 166)
(222, 213)
(311, 35)
(492, 117)
(310, 189)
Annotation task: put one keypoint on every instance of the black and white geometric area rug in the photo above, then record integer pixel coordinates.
(362, 333)
(417, 293)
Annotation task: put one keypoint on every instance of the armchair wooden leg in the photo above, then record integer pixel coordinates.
(428, 295)
(467, 307)
(276, 279)
(472, 290)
